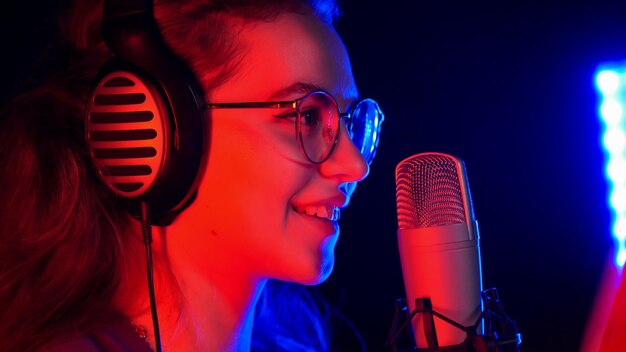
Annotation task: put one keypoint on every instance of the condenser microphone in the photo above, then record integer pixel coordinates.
(438, 243)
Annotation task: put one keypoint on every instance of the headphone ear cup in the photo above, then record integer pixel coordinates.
(127, 129)
(140, 149)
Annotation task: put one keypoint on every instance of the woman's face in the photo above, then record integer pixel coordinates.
(262, 208)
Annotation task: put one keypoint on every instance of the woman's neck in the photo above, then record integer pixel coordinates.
(198, 310)
(216, 316)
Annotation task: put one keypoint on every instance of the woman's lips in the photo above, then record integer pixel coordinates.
(327, 212)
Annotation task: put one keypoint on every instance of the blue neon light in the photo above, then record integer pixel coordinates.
(611, 83)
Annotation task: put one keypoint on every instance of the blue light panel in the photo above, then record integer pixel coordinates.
(611, 83)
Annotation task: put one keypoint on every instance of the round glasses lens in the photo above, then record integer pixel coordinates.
(318, 123)
(367, 119)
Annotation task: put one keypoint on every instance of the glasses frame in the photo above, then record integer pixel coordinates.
(294, 104)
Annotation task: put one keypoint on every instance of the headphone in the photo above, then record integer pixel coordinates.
(144, 123)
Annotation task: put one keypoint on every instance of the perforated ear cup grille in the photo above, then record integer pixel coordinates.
(429, 191)
(126, 133)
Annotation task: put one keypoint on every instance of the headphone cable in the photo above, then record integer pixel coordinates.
(146, 229)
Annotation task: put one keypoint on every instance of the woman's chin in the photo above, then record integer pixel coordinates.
(317, 274)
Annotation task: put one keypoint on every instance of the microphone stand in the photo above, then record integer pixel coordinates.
(501, 334)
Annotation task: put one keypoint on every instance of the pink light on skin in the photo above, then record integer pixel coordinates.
(262, 209)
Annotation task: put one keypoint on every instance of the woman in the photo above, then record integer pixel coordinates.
(266, 207)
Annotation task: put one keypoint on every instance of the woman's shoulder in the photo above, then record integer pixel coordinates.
(116, 334)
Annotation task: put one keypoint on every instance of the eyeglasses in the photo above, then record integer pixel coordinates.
(318, 120)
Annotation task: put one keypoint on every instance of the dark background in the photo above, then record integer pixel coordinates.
(506, 86)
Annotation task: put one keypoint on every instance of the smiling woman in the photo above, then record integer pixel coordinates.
(286, 139)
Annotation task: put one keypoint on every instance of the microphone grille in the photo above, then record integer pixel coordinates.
(429, 191)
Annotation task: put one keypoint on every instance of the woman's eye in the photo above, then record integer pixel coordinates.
(309, 121)
(310, 118)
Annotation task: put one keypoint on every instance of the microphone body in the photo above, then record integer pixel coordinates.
(438, 242)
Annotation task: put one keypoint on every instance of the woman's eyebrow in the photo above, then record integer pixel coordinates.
(301, 88)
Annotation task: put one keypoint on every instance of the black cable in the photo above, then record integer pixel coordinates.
(146, 229)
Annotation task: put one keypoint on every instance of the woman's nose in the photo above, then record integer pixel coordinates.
(346, 162)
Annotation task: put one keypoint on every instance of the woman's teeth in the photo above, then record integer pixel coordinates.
(327, 212)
